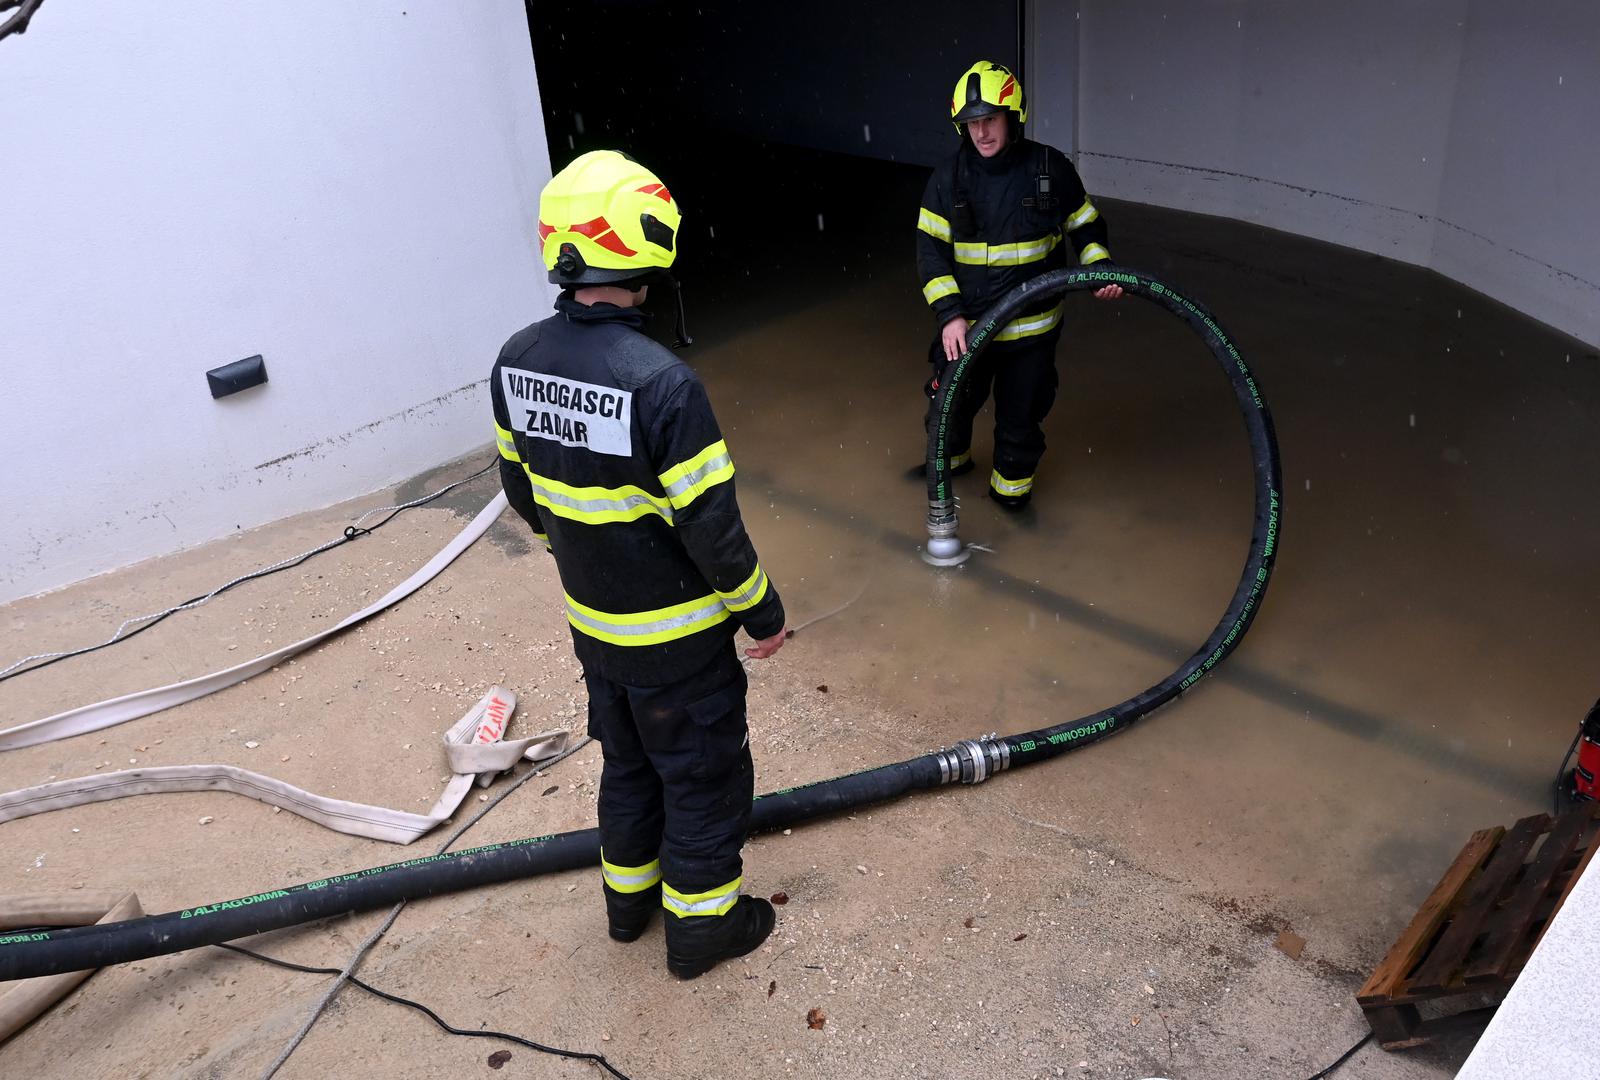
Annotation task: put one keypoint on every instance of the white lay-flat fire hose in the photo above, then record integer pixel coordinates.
(119, 710)
(473, 747)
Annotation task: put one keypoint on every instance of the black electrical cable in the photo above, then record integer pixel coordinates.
(1555, 792)
(351, 532)
(970, 761)
(555, 1051)
(1344, 1057)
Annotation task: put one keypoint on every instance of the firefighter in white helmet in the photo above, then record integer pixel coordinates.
(610, 451)
(1000, 211)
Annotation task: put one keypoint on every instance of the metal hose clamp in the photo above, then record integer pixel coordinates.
(972, 761)
(944, 547)
(942, 521)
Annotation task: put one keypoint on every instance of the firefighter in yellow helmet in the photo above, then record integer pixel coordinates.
(610, 451)
(999, 211)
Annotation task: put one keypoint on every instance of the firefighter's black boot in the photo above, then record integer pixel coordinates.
(698, 943)
(628, 914)
(1010, 502)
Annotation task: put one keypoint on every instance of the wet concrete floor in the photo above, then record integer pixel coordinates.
(1427, 645)
(1421, 660)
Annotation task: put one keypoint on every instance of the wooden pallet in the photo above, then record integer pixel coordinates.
(1474, 933)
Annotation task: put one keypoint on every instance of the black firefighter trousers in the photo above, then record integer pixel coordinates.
(1023, 376)
(678, 781)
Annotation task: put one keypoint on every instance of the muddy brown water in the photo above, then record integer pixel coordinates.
(1427, 645)
(1420, 662)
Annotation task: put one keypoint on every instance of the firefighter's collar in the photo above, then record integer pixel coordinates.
(599, 313)
(1000, 163)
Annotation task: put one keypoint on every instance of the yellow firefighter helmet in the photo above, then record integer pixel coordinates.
(985, 88)
(605, 218)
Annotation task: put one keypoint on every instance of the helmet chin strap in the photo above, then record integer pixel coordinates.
(662, 279)
(681, 330)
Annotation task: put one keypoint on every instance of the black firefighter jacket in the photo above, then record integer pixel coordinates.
(609, 450)
(989, 224)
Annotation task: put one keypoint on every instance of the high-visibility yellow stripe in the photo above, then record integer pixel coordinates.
(716, 901)
(543, 539)
(748, 595)
(1092, 253)
(960, 459)
(1010, 487)
(1025, 251)
(685, 481)
(939, 288)
(507, 445)
(1030, 325)
(1083, 215)
(595, 505)
(630, 879)
(932, 224)
(647, 627)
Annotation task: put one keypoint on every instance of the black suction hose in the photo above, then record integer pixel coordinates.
(50, 952)
(1246, 601)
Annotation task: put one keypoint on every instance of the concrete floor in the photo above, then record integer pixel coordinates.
(1418, 667)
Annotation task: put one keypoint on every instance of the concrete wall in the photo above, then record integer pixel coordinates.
(1518, 215)
(1050, 73)
(348, 190)
(1455, 134)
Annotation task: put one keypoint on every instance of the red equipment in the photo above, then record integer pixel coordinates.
(1583, 782)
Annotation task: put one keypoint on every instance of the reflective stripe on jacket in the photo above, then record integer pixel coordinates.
(609, 450)
(968, 260)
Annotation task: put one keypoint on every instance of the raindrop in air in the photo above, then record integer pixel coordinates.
(819, 222)
(866, 132)
(577, 121)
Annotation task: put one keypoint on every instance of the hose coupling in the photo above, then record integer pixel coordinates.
(972, 761)
(944, 546)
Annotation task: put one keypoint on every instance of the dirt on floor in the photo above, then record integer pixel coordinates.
(1028, 927)
(1415, 671)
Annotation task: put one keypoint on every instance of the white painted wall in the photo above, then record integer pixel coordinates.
(1050, 73)
(1519, 218)
(1454, 134)
(348, 189)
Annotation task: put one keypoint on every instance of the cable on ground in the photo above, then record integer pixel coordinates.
(578, 1055)
(351, 532)
(347, 974)
(1344, 1057)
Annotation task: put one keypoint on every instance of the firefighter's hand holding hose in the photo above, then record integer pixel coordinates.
(954, 337)
(767, 646)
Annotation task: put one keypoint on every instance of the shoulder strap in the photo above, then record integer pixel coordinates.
(962, 221)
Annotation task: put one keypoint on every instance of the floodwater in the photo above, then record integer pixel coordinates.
(1428, 643)
(1420, 662)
